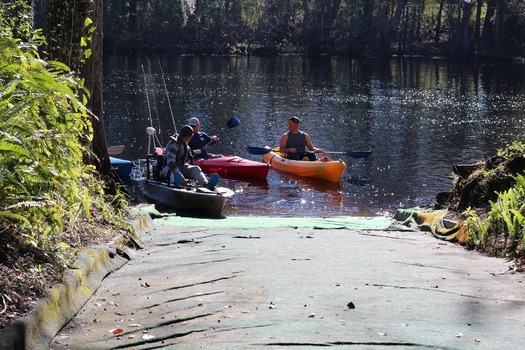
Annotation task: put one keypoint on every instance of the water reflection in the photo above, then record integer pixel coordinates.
(285, 195)
(418, 116)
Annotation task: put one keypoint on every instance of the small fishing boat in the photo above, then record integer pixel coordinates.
(233, 167)
(323, 168)
(185, 200)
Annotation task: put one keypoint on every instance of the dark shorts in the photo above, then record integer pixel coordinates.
(300, 155)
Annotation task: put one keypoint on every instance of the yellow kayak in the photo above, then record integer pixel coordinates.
(325, 169)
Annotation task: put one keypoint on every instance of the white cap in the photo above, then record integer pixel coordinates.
(193, 122)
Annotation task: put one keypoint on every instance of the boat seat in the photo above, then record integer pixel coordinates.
(157, 169)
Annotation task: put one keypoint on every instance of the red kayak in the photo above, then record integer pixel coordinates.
(233, 166)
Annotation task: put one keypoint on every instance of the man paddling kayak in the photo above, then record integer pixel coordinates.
(295, 143)
(200, 140)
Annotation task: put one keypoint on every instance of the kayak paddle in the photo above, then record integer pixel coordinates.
(353, 154)
(259, 151)
(232, 123)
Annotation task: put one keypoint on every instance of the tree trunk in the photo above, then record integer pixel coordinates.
(477, 30)
(487, 34)
(437, 33)
(66, 27)
(500, 22)
(463, 46)
(390, 32)
(91, 71)
(132, 19)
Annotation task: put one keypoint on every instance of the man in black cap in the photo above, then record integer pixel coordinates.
(297, 144)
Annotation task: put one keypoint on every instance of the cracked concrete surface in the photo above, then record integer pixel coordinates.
(196, 287)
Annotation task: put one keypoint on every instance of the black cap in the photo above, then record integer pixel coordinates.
(295, 120)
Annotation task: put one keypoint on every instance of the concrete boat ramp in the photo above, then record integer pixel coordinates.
(255, 283)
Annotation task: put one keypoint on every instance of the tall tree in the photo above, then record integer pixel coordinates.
(437, 31)
(463, 38)
(91, 72)
(499, 33)
(487, 34)
(319, 18)
(477, 27)
(75, 38)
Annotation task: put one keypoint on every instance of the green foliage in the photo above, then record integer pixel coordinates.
(512, 150)
(46, 190)
(477, 229)
(41, 122)
(90, 29)
(506, 218)
(507, 212)
(16, 19)
(252, 12)
(502, 213)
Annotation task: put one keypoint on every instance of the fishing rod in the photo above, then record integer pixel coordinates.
(167, 97)
(152, 135)
(155, 104)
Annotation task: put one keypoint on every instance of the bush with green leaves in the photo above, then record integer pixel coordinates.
(45, 186)
(504, 227)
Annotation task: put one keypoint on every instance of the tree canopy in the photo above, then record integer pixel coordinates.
(460, 28)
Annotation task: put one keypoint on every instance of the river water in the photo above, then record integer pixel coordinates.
(418, 117)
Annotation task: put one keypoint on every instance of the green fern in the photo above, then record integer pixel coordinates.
(477, 229)
(45, 187)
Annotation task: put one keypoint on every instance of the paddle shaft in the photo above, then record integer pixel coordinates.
(353, 154)
(264, 150)
(233, 122)
(211, 141)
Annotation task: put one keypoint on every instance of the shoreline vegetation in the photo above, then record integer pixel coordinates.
(54, 203)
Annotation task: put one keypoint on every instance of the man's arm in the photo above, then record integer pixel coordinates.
(282, 145)
(171, 151)
(310, 146)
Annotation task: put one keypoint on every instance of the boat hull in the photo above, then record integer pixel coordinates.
(233, 167)
(196, 201)
(123, 167)
(330, 170)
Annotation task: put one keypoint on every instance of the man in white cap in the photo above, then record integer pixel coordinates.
(200, 140)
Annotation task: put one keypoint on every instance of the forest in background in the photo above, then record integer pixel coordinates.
(451, 28)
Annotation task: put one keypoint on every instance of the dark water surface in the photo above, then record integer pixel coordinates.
(419, 117)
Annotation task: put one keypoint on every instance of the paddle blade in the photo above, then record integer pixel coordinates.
(258, 151)
(233, 123)
(359, 154)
